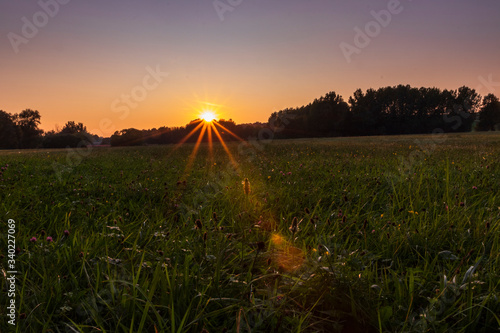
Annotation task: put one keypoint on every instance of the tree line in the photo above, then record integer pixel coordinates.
(21, 131)
(389, 110)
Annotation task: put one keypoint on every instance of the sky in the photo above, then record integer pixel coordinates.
(119, 64)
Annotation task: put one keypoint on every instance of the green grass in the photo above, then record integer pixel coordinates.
(396, 234)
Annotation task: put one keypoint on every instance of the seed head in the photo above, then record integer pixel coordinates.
(246, 186)
(294, 227)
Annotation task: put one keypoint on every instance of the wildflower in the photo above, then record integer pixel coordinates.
(49, 239)
(66, 232)
(474, 187)
(246, 186)
(33, 239)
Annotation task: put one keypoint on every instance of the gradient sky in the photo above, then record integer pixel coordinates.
(263, 56)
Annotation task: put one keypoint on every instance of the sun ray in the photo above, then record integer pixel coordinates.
(210, 146)
(190, 134)
(225, 129)
(195, 149)
(231, 158)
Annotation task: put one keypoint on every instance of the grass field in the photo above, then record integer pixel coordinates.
(377, 234)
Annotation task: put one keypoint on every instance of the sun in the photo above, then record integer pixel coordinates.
(208, 116)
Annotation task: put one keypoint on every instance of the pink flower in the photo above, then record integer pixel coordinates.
(474, 187)
(33, 239)
(49, 239)
(66, 232)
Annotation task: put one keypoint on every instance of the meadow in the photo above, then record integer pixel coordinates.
(374, 234)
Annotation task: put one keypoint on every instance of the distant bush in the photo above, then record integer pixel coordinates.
(65, 140)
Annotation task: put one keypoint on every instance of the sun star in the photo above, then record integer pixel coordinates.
(208, 116)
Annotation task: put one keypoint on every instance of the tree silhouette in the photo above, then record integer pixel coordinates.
(71, 128)
(489, 116)
(8, 131)
(28, 121)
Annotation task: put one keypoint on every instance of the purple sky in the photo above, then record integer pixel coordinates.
(263, 56)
